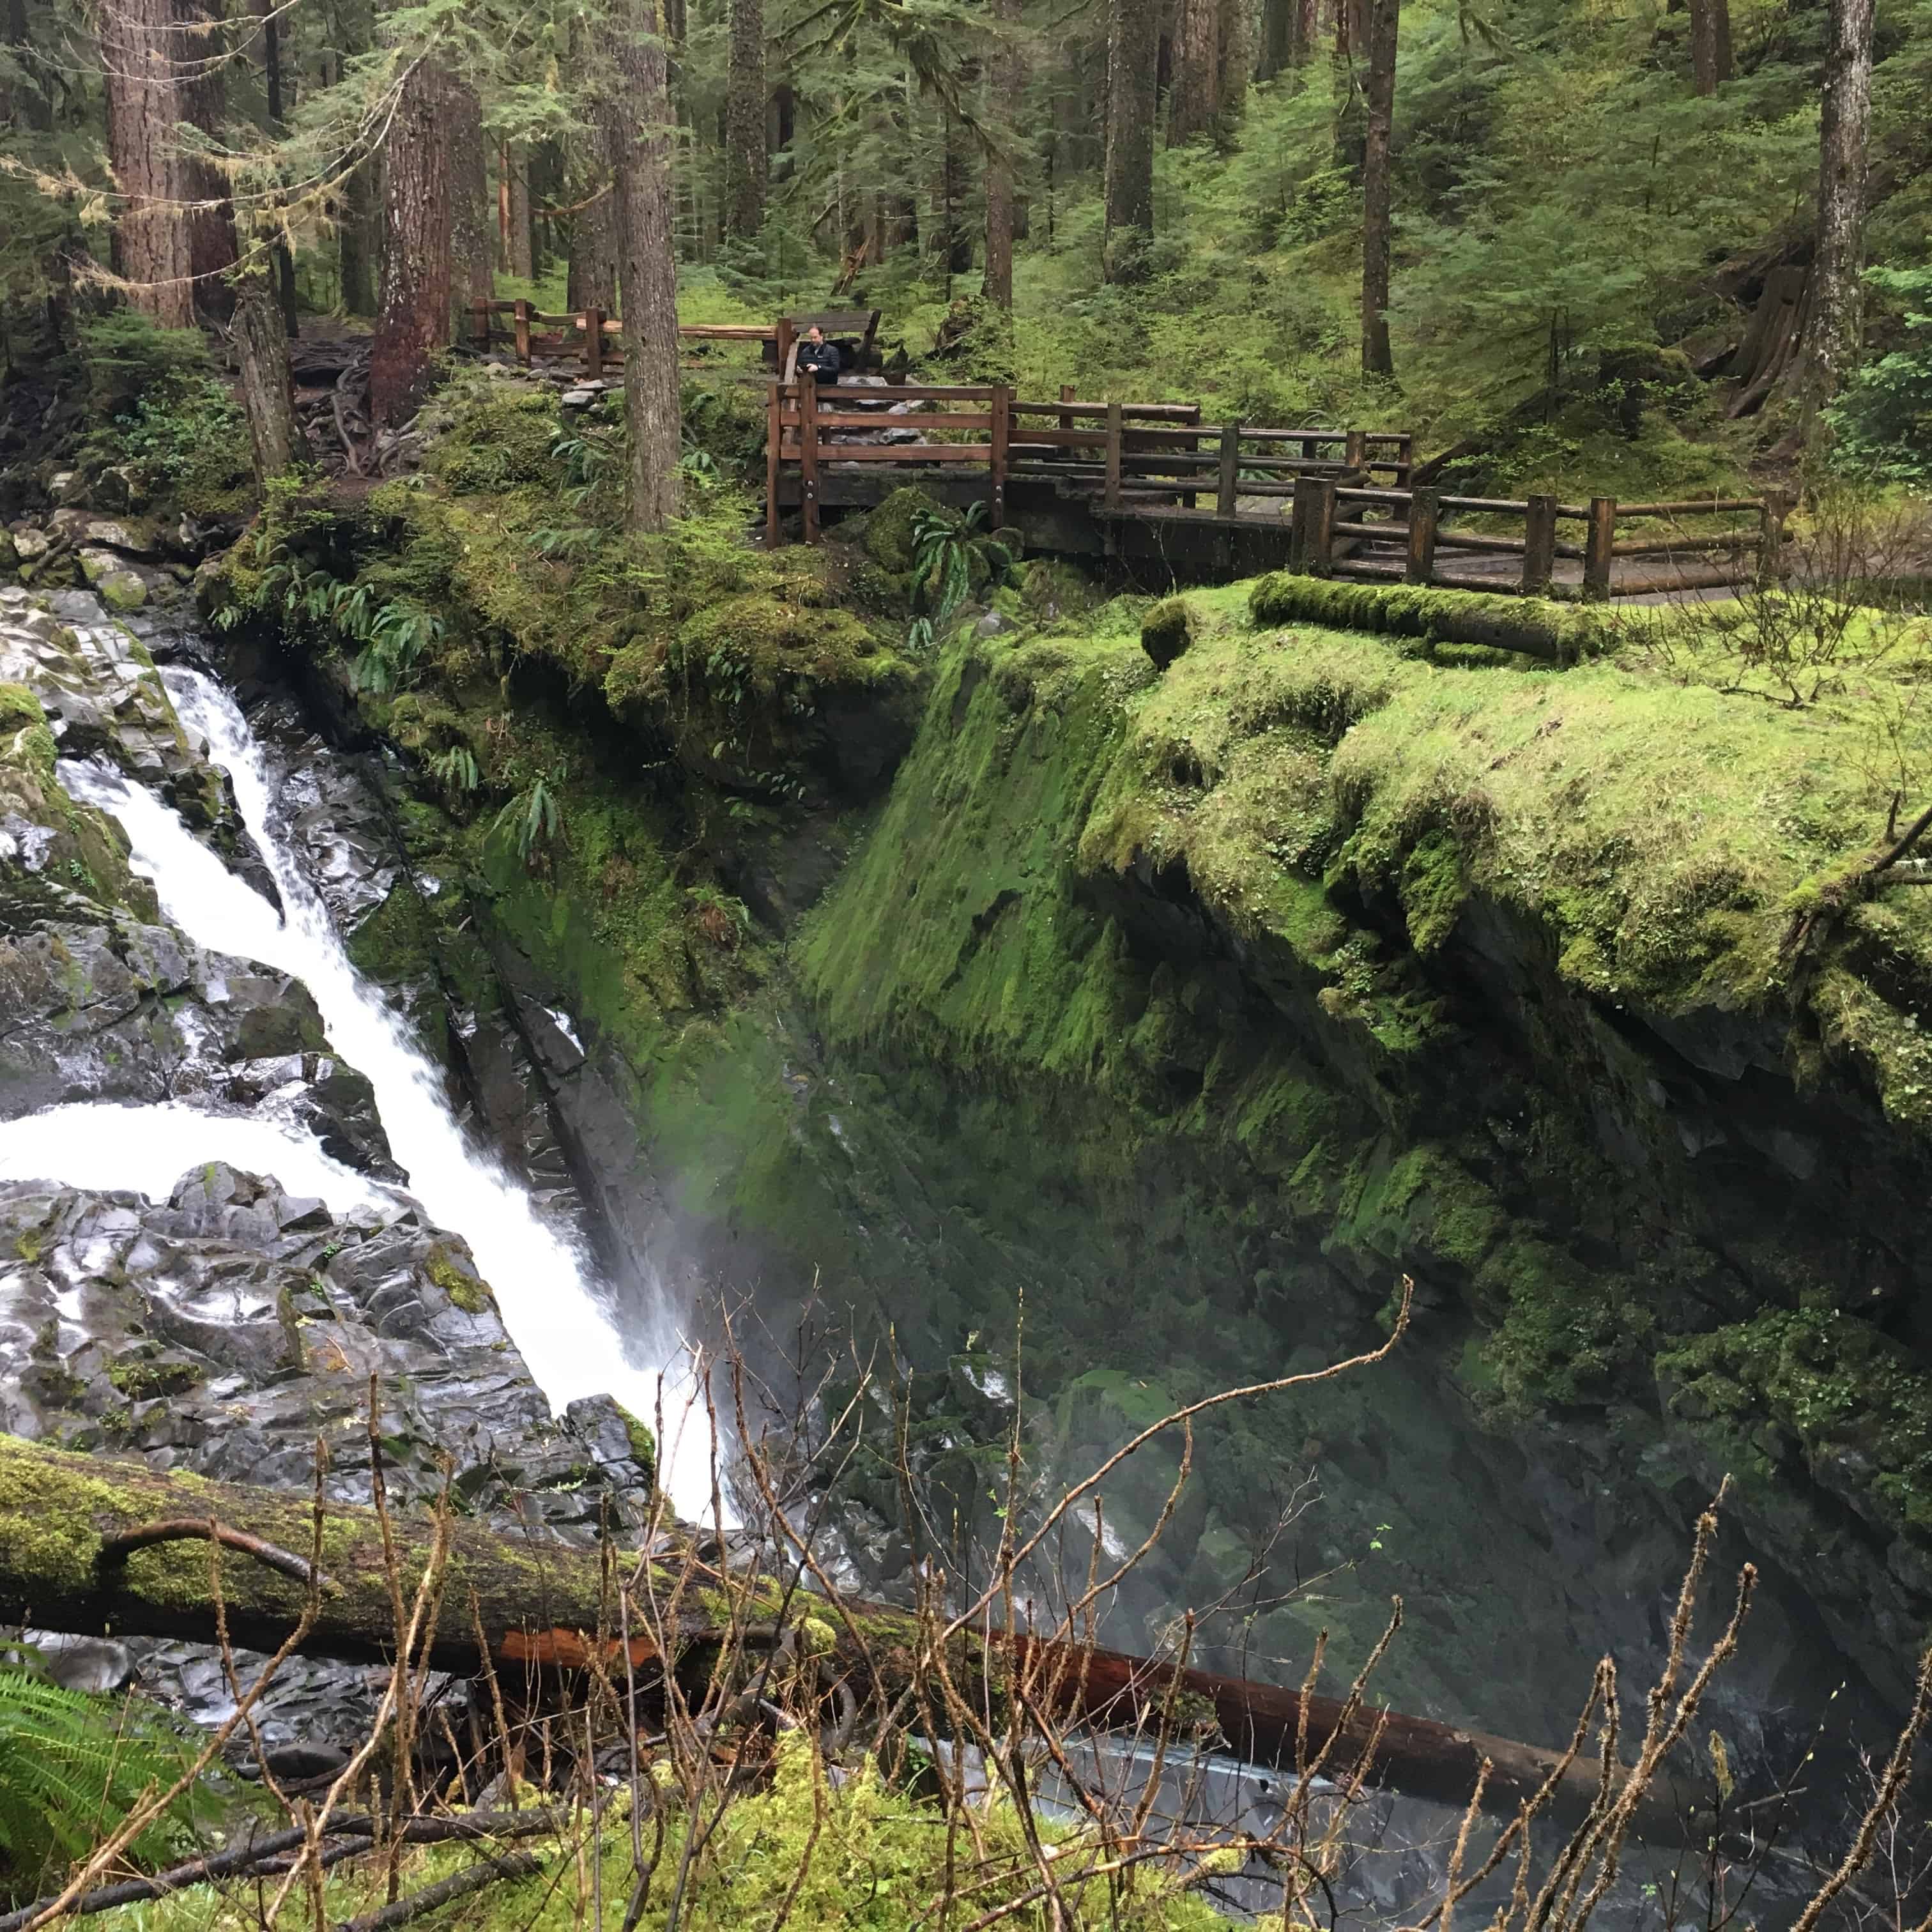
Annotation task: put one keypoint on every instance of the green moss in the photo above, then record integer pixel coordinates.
(471, 1294)
(1166, 630)
(18, 708)
(644, 1444)
(888, 533)
(1529, 625)
(1820, 1387)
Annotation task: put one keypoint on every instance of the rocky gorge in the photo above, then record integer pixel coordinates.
(1180, 1010)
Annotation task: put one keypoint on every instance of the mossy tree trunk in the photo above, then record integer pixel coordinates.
(1006, 75)
(633, 110)
(472, 261)
(412, 323)
(537, 1603)
(1133, 54)
(267, 388)
(1832, 331)
(274, 98)
(1384, 18)
(745, 167)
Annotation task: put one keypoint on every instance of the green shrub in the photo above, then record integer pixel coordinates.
(130, 359)
(1883, 420)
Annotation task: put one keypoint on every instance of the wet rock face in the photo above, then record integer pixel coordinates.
(96, 681)
(225, 1330)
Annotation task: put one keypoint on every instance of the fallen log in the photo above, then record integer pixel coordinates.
(75, 1555)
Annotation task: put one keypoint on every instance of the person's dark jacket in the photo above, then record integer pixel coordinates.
(819, 359)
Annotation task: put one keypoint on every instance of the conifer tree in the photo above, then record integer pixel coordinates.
(412, 321)
(1133, 49)
(1384, 18)
(745, 167)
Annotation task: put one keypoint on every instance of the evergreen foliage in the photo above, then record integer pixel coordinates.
(74, 1766)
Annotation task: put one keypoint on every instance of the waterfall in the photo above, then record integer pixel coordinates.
(553, 1302)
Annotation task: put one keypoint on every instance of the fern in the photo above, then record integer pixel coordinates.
(532, 818)
(944, 551)
(74, 1767)
(455, 769)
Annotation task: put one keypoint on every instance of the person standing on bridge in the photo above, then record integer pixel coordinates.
(817, 358)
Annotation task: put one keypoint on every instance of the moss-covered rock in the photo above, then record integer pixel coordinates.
(888, 532)
(1166, 630)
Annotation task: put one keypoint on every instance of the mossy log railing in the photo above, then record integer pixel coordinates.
(72, 1559)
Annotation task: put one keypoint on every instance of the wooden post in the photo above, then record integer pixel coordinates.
(1770, 516)
(784, 333)
(1539, 546)
(1066, 394)
(522, 314)
(1404, 459)
(1231, 469)
(593, 343)
(1422, 508)
(1308, 448)
(1113, 456)
(1321, 528)
(808, 454)
(1355, 452)
(1301, 521)
(1603, 533)
(1003, 399)
(479, 323)
(1190, 499)
(774, 441)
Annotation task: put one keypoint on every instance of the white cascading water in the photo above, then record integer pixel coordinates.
(551, 1301)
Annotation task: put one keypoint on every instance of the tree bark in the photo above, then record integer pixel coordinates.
(1277, 36)
(68, 1562)
(154, 244)
(1232, 60)
(517, 255)
(1006, 75)
(267, 387)
(745, 166)
(1133, 53)
(472, 262)
(211, 215)
(1832, 330)
(412, 320)
(25, 104)
(1384, 26)
(1197, 71)
(1710, 44)
(634, 109)
(592, 282)
(356, 241)
(272, 83)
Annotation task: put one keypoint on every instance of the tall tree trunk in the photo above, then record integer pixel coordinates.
(1006, 75)
(153, 247)
(1231, 61)
(471, 256)
(27, 103)
(413, 322)
(267, 388)
(634, 108)
(1197, 50)
(1832, 329)
(516, 257)
(211, 216)
(1133, 54)
(592, 278)
(283, 258)
(746, 169)
(1384, 25)
(357, 238)
(1710, 44)
(1278, 24)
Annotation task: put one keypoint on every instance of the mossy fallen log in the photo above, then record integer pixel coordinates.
(1530, 626)
(71, 1559)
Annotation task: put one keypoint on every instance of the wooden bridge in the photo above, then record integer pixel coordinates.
(1152, 482)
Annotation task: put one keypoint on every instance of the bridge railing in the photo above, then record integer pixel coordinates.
(1345, 502)
(596, 336)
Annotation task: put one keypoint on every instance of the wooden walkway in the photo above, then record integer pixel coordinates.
(1153, 480)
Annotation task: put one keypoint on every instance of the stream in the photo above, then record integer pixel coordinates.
(554, 1302)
